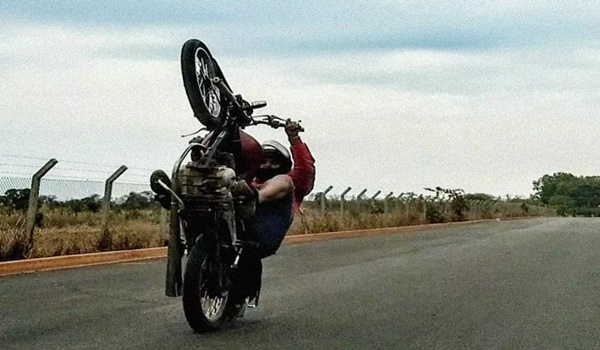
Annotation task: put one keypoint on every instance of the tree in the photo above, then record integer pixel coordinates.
(557, 184)
(569, 194)
(49, 202)
(17, 199)
(137, 201)
(479, 197)
(91, 203)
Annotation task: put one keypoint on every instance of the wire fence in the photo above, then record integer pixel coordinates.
(104, 222)
(70, 179)
(65, 184)
(66, 189)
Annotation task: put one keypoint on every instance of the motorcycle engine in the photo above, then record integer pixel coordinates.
(201, 182)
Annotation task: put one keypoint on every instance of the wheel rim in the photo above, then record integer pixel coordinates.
(211, 96)
(213, 306)
(212, 301)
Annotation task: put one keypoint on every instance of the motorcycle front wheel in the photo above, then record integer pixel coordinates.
(198, 67)
(207, 301)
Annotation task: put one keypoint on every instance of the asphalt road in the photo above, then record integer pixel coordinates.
(528, 284)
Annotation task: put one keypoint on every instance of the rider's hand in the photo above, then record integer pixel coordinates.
(243, 191)
(247, 197)
(292, 129)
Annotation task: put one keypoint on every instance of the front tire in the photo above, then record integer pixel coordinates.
(198, 67)
(207, 301)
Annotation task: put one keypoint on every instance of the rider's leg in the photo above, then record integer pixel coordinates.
(247, 277)
(270, 224)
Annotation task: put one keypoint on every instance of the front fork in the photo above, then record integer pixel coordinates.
(176, 248)
(177, 230)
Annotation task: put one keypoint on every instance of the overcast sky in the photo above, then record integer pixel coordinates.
(486, 96)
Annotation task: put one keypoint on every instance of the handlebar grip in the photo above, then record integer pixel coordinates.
(258, 104)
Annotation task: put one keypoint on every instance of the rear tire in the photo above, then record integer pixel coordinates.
(207, 306)
(198, 67)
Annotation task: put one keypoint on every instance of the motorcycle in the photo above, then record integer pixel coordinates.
(207, 218)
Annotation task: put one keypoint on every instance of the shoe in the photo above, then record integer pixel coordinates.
(243, 308)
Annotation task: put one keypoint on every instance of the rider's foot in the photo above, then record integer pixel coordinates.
(243, 308)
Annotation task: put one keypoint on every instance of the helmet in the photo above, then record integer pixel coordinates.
(275, 150)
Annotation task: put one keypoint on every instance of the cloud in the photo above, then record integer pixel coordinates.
(394, 96)
(331, 26)
(113, 12)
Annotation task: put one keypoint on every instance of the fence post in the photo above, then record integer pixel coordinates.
(359, 197)
(106, 199)
(397, 199)
(361, 194)
(33, 201)
(343, 200)
(385, 202)
(323, 199)
(373, 197)
(404, 204)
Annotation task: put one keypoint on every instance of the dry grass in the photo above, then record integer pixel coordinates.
(311, 221)
(62, 232)
(13, 241)
(78, 239)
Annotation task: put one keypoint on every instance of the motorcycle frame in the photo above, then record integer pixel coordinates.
(223, 208)
(211, 142)
(237, 117)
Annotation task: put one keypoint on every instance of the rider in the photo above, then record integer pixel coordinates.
(281, 183)
(278, 189)
(276, 192)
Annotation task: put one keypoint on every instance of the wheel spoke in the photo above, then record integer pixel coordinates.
(210, 95)
(212, 302)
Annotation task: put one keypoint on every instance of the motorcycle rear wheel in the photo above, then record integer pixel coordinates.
(207, 304)
(198, 67)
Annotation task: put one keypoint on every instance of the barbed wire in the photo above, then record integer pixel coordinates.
(70, 161)
(25, 166)
(20, 165)
(59, 168)
(65, 189)
(135, 179)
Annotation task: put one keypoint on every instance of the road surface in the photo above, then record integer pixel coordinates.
(526, 284)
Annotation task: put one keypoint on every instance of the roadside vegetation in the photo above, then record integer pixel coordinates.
(136, 221)
(571, 195)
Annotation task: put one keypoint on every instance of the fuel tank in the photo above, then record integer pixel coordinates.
(252, 156)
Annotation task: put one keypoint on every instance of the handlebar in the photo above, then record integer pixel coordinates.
(272, 121)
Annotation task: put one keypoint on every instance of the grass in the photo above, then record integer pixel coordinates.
(13, 241)
(311, 221)
(63, 232)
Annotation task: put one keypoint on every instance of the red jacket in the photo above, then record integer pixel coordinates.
(303, 172)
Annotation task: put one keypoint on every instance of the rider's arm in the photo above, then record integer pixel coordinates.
(303, 173)
(275, 188)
